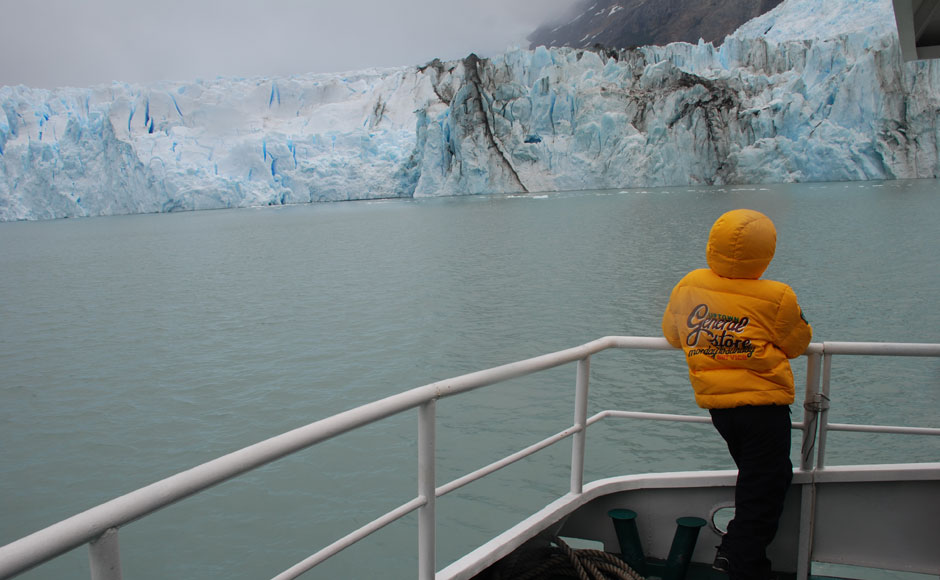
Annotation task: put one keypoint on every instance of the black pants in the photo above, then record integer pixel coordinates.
(759, 441)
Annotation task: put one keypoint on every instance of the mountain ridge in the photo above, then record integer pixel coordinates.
(631, 23)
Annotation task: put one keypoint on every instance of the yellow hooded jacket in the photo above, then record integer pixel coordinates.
(737, 330)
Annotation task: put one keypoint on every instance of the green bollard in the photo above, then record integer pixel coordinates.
(683, 544)
(631, 550)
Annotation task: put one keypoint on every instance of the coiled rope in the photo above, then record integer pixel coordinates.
(561, 561)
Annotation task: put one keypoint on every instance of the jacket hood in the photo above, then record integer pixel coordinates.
(741, 244)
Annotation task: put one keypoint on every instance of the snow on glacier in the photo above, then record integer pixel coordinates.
(814, 90)
(809, 19)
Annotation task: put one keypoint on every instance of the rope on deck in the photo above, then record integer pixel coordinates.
(561, 561)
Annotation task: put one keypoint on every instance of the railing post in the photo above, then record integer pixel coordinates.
(104, 556)
(426, 489)
(823, 412)
(810, 411)
(808, 493)
(580, 422)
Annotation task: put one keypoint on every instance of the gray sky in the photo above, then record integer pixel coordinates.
(52, 43)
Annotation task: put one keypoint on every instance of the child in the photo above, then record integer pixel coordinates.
(738, 332)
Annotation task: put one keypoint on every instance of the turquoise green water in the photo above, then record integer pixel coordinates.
(134, 347)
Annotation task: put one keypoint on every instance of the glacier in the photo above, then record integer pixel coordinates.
(814, 90)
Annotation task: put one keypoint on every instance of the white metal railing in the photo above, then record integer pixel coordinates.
(98, 526)
(816, 422)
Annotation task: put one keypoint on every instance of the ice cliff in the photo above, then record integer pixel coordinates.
(814, 90)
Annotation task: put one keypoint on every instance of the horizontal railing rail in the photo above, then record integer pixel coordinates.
(99, 525)
(882, 429)
(916, 349)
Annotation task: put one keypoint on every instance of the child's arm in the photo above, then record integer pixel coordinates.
(670, 331)
(793, 331)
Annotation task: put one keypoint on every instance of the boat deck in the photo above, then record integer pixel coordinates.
(582, 529)
(563, 568)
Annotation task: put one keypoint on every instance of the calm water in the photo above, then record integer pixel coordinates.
(134, 347)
